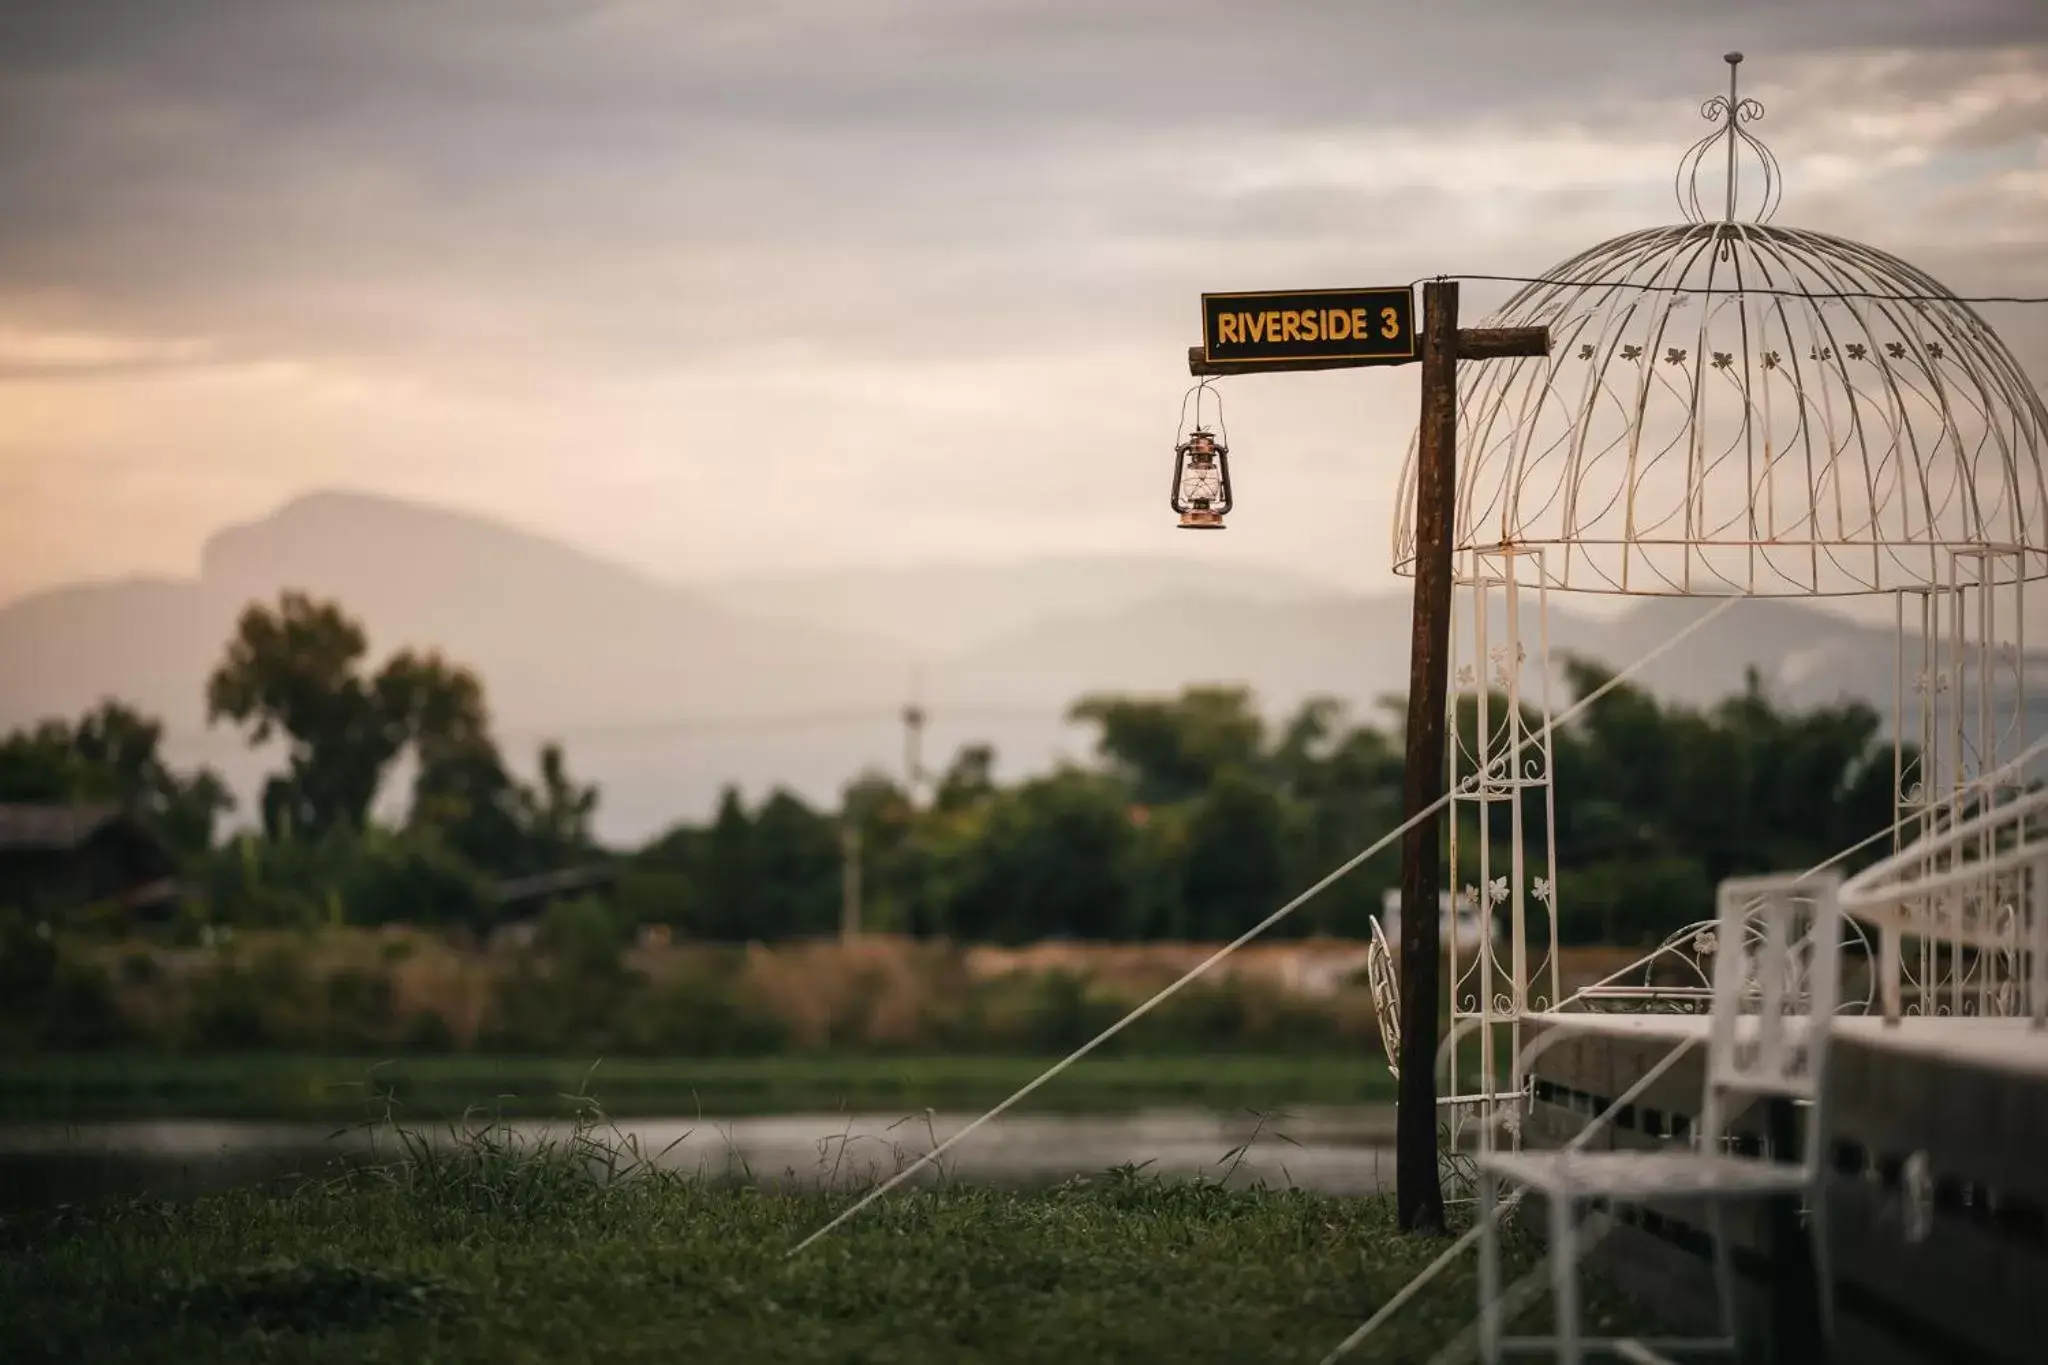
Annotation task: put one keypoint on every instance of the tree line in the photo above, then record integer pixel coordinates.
(1196, 817)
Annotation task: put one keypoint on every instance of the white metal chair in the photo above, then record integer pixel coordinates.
(1774, 1000)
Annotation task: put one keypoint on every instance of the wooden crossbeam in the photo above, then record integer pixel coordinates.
(1474, 343)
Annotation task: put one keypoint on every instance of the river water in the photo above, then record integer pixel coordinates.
(1336, 1151)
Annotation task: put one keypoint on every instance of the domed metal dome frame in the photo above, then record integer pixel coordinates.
(1735, 407)
(1748, 409)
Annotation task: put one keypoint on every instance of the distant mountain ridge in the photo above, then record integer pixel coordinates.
(937, 611)
(547, 625)
(664, 693)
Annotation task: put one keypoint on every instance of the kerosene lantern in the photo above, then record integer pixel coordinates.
(1201, 481)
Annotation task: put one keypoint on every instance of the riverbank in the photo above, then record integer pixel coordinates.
(488, 1257)
(97, 1086)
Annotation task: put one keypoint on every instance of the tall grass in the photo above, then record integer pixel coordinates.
(404, 992)
(482, 1245)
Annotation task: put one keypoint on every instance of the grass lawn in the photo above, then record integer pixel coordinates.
(282, 1086)
(485, 1255)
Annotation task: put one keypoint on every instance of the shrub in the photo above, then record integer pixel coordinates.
(426, 1032)
(269, 1002)
(1053, 1011)
(371, 878)
(560, 994)
(226, 1012)
(81, 1011)
(585, 935)
(704, 1011)
(49, 998)
(413, 879)
(359, 1011)
(28, 965)
(653, 895)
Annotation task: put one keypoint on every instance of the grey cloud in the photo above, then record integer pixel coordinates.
(73, 370)
(469, 183)
(1047, 58)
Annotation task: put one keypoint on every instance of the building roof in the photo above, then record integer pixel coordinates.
(536, 890)
(52, 827)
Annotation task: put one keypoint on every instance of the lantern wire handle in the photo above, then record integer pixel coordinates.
(1195, 393)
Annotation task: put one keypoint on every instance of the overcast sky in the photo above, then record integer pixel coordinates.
(722, 290)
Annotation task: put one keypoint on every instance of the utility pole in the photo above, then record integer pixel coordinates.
(849, 879)
(913, 740)
(1248, 333)
(1418, 1190)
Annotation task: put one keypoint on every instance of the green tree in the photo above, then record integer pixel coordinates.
(375, 876)
(1171, 750)
(1344, 785)
(461, 790)
(295, 671)
(558, 813)
(1198, 822)
(465, 795)
(770, 875)
(1235, 871)
(943, 840)
(1300, 757)
(1657, 803)
(895, 854)
(662, 882)
(968, 780)
(409, 878)
(1055, 858)
(114, 754)
(725, 873)
(796, 869)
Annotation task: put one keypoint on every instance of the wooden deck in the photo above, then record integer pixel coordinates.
(1937, 1145)
(2012, 1047)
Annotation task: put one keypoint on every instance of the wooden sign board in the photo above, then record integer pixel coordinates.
(1323, 327)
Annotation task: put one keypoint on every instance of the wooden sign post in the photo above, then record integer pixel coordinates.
(1235, 344)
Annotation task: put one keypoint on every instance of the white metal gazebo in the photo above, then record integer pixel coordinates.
(1733, 408)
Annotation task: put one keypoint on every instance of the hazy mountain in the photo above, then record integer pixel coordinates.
(1035, 635)
(1356, 647)
(940, 610)
(561, 637)
(146, 641)
(663, 694)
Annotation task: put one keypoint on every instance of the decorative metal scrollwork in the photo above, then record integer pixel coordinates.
(1731, 111)
(1676, 977)
(1386, 996)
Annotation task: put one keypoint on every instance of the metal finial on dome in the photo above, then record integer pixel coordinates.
(1731, 111)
